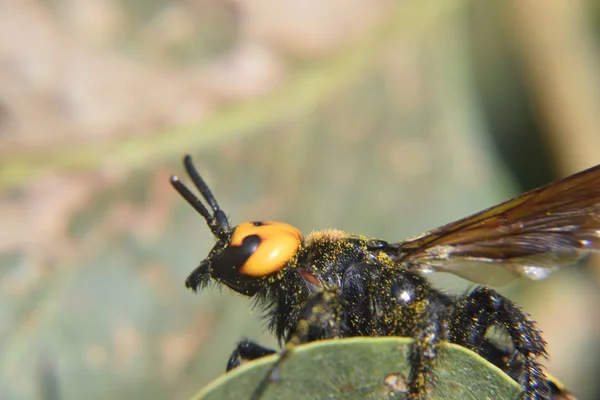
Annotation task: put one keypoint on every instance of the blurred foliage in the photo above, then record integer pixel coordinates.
(382, 118)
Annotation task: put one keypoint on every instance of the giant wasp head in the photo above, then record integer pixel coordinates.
(243, 257)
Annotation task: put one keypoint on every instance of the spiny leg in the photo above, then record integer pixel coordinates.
(247, 350)
(471, 316)
(423, 357)
(416, 312)
(320, 319)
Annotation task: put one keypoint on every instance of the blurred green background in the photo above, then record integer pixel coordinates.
(377, 117)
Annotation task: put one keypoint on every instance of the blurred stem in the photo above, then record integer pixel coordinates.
(304, 91)
(556, 42)
(562, 61)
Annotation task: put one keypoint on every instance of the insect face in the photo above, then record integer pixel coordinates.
(254, 253)
(244, 257)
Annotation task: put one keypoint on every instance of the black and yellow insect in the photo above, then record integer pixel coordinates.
(331, 284)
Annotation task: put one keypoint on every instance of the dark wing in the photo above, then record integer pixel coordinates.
(530, 235)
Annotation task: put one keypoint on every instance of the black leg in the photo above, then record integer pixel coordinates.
(423, 358)
(471, 316)
(247, 350)
(318, 320)
(424, 327)
(415, 309)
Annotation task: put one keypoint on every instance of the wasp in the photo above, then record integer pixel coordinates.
(331, 284)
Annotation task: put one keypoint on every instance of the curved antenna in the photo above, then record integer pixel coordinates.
(217, 222)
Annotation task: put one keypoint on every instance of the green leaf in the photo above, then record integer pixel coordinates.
(363, 368)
